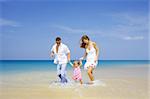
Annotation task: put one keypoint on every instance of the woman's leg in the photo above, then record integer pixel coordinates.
(90, 73)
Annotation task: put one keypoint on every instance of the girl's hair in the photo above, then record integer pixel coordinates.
(82, 44)
(78, 62)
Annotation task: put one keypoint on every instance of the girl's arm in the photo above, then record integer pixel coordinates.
(97, 50)
(80, 63)
(71, 64)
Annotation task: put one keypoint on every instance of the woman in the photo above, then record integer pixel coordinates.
(91, 55)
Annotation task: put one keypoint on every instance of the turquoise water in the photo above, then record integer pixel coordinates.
(47, 65)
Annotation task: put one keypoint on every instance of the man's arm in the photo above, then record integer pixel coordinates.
(67, 51)
(68, 57)
(52, 54)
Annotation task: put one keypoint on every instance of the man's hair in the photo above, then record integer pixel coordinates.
(58, 38)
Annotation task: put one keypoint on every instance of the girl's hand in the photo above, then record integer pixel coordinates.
(81, 58)
(70, 63)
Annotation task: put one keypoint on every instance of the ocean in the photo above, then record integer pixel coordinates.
(37, 79)
(14, 66)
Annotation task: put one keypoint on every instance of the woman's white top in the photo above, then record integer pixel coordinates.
(90, 58)
(91, 53)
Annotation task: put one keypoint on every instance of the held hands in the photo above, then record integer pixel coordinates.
(81, 58)
(68, 60)
(70, 63)
(96, 59)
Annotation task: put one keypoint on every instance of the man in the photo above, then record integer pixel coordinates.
(62, 56)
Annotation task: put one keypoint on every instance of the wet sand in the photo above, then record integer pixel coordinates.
(127, 82)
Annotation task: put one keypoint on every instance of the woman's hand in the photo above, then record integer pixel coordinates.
(96, 59)
(81, 58)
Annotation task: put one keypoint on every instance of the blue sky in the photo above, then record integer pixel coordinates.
(119, 27)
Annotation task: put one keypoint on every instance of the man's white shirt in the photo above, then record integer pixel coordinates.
(61, 56)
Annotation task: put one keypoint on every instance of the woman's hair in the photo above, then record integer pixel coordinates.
(82, 44)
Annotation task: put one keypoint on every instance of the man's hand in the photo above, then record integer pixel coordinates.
(52, 54)
(68, 60)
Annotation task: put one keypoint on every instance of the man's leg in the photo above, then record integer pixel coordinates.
(59, 71)
(63, 73)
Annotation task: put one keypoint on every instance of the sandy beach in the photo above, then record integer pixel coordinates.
(127, 82)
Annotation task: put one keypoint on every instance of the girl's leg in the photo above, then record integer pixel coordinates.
(90, 73)
(81, 82)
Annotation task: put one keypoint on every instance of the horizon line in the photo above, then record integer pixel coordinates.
(73, 60)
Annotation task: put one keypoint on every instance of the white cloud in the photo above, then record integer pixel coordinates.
(5, 22)
(127, 26)
(133, 38)
(133, 22)
(113, 33)
(68, 29)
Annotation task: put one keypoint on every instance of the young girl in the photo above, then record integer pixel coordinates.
(77, 71)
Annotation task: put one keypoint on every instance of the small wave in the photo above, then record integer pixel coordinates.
(58, 84)
(72, 84)
(95, 83)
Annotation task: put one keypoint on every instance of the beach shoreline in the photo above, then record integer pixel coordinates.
(130, 82)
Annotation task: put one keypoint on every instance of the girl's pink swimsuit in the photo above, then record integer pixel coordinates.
(77, 74)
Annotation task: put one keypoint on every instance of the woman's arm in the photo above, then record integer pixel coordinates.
(97, 49)
(84, 56)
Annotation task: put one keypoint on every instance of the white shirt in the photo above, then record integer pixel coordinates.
(61, 56)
